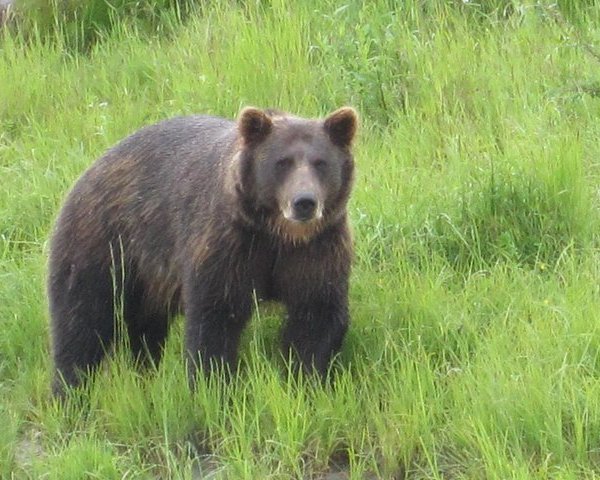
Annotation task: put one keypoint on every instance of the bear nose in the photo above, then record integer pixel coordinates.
(305, 205)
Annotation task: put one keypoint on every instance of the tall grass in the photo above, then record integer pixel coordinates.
(473, 351)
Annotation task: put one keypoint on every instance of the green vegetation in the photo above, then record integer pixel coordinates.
(474, 351)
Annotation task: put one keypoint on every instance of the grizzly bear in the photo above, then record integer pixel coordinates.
(196, 215)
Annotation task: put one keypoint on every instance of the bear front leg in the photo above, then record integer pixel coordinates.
(315, 330)
(216, 312)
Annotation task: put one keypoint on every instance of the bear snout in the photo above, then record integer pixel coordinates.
(304, 206)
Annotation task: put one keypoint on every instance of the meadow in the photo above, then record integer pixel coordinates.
(474, 346)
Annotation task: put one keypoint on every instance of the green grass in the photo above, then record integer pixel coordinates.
(474, 351)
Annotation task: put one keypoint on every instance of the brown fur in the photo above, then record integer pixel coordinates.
(193, 215)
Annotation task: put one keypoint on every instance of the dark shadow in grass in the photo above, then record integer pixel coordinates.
(198, 450)
(339, 468)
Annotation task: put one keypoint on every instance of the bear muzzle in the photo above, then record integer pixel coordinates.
(304, 207)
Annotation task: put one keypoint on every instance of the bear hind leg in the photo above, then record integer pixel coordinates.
(82, 323)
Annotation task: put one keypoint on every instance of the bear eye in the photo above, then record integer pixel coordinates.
(320, 164)
(284, 163)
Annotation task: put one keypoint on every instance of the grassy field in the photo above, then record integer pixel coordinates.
(475, 299)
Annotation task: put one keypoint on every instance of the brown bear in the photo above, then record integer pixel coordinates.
(193, 215)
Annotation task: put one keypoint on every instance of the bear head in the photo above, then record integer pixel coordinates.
(294, 174)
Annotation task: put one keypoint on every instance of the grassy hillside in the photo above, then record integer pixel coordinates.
(474, 347)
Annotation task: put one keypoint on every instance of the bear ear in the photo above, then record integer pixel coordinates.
(341, 126)
(254, 125)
